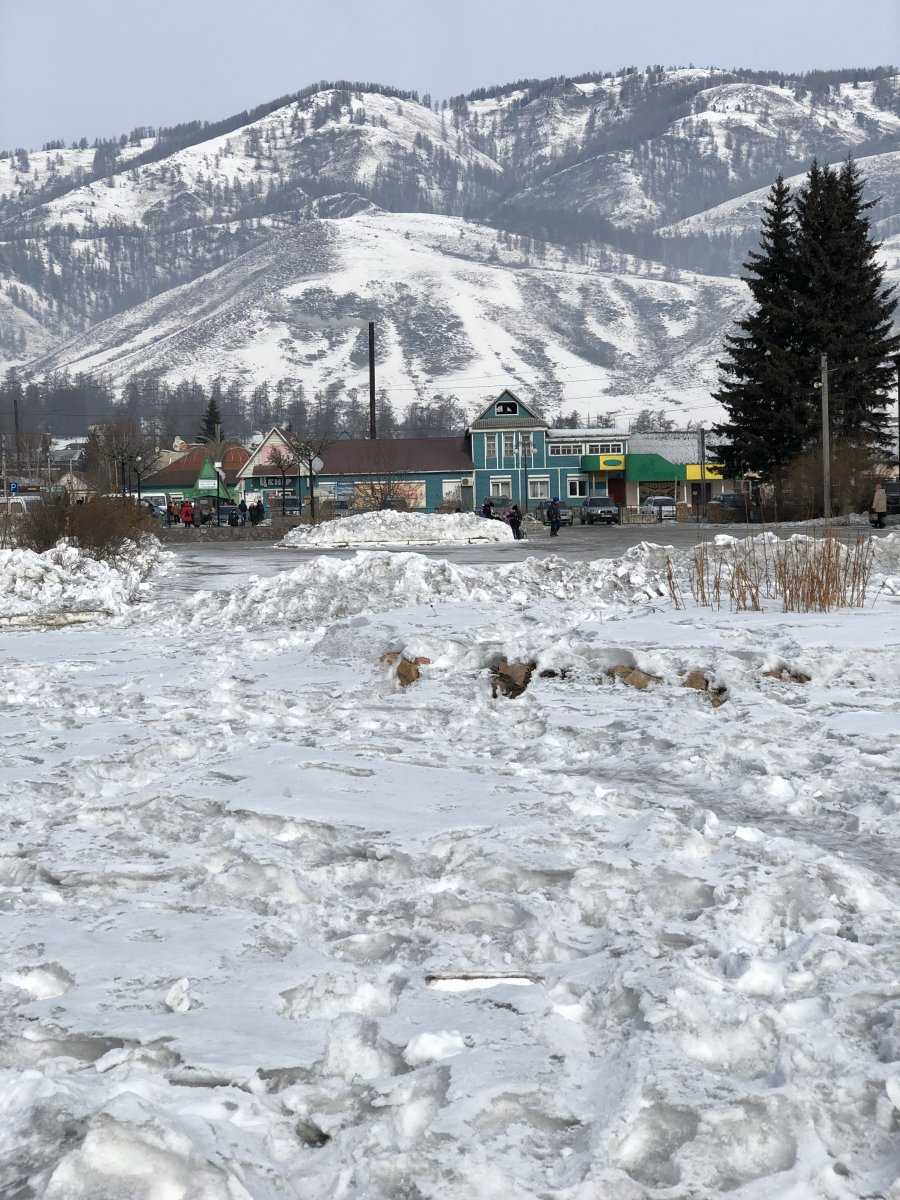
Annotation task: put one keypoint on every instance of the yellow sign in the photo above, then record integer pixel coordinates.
(712, 471)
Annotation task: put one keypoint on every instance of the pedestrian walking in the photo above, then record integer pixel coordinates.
(554, 516)
(171, 514)
(515, 521)
(879, 505)
(242, 512)
(187, 513)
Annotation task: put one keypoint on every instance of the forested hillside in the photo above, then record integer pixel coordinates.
(578, 238)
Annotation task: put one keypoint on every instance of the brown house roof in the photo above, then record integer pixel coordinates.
(363, 456)
(183, 471)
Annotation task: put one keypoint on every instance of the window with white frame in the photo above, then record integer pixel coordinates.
(490, 445)
(525, 445)
(506, 408)
(501, 485)
(509, 445)
(451, 489)
(538, 488)
(558, 449)
(577, 487)
(605, 448)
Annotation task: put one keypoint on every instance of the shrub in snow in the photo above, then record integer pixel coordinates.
(400, 529)
(100, 527)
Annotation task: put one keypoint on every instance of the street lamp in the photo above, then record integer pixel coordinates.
(218, 468)
(897, 365)
(137, 470)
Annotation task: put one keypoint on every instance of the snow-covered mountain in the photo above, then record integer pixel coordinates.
(576, 238)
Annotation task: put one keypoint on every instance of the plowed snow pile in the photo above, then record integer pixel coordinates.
(276, 927)
(65, 583)
(400, 529)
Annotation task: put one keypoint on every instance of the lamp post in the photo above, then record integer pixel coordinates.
(897, 365)
(137, 470)
(218, 467)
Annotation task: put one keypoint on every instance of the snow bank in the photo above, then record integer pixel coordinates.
(64, 585)
(400, 529)
(326, 589)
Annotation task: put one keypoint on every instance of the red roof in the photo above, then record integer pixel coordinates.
(183, 471)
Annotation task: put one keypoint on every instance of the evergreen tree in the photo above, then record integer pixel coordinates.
(211, 427)
(767, 409)
(844, 308)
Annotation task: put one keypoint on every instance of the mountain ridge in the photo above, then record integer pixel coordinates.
(608, 169)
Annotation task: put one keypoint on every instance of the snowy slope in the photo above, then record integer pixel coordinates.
(740, 217)
(176, 265)
(456, 310)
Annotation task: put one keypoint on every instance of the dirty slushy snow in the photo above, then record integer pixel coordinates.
(276, 927)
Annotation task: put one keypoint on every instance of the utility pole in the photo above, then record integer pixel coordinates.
(703, 469)
(372, 433)
(17, 468)
(897, 365)
(826, 442)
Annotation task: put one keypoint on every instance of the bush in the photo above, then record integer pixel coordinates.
(100, 526)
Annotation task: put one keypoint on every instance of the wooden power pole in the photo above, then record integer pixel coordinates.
(372, 432)
(826, 443)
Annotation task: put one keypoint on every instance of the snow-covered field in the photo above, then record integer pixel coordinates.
(400, 529)
(275, 926)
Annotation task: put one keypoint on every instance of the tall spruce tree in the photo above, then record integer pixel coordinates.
(766, 411)
(819, 289)
(843, 307)
(211, 426)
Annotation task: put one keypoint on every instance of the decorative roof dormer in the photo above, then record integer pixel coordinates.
(508, 412)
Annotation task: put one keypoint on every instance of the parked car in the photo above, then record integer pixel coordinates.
(737, 503)
(663, 507)
(566, 516)
(599, 510)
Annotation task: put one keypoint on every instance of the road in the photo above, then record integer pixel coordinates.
(209, 566)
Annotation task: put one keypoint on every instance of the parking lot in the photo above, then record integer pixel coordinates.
(222, 565)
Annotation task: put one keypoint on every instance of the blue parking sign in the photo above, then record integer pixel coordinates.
(13, 486)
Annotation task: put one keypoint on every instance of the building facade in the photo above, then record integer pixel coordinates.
(509, 453)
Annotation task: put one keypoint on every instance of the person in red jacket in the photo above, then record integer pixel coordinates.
(187, 513)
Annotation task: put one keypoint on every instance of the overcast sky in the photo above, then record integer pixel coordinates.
(72, 68)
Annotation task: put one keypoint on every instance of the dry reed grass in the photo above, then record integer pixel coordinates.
(806, 575)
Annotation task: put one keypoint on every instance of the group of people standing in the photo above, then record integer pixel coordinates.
(513, 517)
(191, 514)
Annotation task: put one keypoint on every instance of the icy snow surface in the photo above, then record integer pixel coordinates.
(275, 927)
(400, 529)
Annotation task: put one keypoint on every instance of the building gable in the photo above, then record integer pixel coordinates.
(507, 411)
(274, 440)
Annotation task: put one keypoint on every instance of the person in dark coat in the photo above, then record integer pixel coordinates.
(515, 521)
(554, 516)
(487, 509)
(242, 511)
